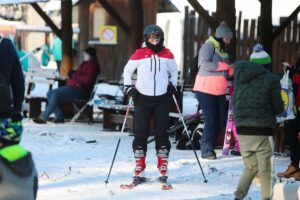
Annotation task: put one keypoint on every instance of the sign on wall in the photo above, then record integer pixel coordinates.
(108, 34)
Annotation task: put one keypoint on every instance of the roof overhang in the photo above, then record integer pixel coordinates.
(6, 2)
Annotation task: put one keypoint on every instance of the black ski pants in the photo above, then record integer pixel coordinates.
(145, 108)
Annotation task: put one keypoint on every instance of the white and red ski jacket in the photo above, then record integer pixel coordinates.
(154, 71)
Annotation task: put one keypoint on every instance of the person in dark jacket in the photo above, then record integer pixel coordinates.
(257, 101)
(18, 175)
(11, 70)
(78, 86)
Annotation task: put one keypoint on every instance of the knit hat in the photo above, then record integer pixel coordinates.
(259, 56)
(91, 51)
(223, 31)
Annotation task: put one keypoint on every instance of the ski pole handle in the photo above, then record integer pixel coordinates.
(126, 115)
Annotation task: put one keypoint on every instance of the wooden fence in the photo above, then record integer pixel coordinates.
(196, 31)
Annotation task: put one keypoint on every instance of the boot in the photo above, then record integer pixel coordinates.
(296, 175)
(291, 170)
(162, 161)
(235, 152)
(140, 164)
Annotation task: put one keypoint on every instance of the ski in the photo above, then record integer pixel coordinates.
(229, 129)
(164, 184)
(135, 182)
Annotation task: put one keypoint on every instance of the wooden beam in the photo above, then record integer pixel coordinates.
(286, 22)
(202, 12)
(115, 15)
(66, 37)
(47, 19)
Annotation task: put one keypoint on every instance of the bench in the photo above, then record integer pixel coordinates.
(37, 83)
(113, 116)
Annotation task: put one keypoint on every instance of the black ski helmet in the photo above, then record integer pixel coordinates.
(153, 31)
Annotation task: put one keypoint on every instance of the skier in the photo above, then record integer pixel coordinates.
(255, 110)
(210, 87)
(156, 80)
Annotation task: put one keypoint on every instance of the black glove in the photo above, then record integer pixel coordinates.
(70, 73)
(130, 91)
(171, 89)
(16, 116)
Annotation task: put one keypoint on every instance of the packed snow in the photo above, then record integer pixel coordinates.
(73, 162)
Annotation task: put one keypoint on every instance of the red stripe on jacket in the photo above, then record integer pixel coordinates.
(146, 53)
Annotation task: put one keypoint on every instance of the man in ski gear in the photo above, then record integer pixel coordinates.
(210, 87)
(18, 177)
(293, 127)
(255, 110)
(156, 80)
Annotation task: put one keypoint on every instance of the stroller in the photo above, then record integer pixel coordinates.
(195, 125)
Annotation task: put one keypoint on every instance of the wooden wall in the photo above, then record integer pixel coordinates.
(196, 31)
(113, 57)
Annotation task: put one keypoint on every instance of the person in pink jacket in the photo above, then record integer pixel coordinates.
(210, 86)
(78, 86)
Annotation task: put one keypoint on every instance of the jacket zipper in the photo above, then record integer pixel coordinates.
(154, 75)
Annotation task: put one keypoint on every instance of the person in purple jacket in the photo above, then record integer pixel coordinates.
(78, 86)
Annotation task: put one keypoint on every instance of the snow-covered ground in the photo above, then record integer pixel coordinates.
(71, 168)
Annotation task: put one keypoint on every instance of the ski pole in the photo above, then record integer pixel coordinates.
(190, 140)
(123, 127)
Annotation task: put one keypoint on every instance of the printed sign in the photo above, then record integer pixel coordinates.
(108, 35)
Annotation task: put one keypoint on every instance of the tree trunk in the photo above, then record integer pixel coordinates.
(266, 29)
(67, 34)
(226, 12)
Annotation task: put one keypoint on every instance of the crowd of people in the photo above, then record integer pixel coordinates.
(255, 108)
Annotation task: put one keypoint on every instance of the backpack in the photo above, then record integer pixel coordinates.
(5, 100)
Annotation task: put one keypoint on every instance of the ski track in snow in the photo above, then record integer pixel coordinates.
(70, 168)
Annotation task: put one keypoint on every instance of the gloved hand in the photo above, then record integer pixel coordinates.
(171, 89)
(130, 91)
(70, 73)
(16, 116)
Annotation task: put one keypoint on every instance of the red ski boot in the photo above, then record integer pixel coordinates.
(140, 163)
(162, 161)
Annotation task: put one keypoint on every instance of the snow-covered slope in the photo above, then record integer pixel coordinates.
(71, 169)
